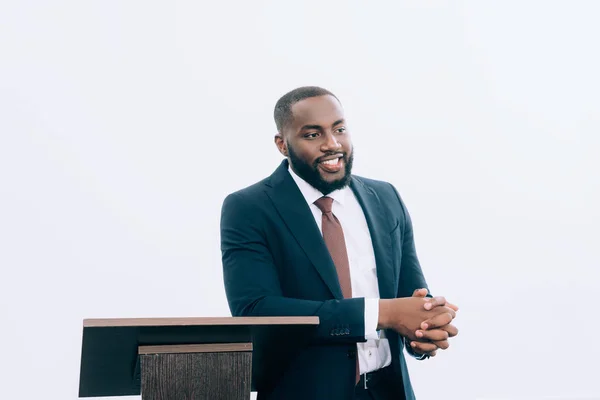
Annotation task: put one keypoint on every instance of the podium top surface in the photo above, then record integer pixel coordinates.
(109, 349)
(197, 321)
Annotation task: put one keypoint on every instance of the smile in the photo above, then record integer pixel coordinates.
(332, 165)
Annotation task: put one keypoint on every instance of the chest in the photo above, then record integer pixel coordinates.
(359, 244)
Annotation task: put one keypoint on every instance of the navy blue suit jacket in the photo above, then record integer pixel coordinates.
(275, 263)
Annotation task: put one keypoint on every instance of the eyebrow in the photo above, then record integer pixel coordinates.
(339, 121)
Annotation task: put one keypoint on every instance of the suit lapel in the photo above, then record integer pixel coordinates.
(380, 228)
(296, 214)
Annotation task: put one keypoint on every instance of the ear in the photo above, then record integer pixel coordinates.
(281, 145)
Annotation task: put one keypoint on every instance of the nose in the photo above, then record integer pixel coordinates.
(330, 143)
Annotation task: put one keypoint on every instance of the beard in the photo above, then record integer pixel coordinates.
(311, 174)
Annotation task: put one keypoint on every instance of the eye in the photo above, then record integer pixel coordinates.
(311, 135)
(341, 130)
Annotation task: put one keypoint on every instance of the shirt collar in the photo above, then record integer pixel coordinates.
(311, 194)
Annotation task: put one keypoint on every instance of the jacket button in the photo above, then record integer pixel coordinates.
(352, 354)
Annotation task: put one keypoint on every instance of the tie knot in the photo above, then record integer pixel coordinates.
(324, 204)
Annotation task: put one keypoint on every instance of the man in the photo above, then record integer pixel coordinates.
(314, 240)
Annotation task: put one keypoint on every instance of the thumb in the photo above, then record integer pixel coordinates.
(420, 293)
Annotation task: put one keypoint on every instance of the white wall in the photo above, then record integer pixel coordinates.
(124, 124)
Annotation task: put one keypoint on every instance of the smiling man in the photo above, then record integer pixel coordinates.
(313, 239)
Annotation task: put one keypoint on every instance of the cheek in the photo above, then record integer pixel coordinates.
(346, 144)
(307, 152)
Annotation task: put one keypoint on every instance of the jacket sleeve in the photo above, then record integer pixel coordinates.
(252, 283)
(411, 274)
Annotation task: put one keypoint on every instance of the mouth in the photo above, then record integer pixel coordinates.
(332, 164)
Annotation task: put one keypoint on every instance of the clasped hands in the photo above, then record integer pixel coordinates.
(424, 321)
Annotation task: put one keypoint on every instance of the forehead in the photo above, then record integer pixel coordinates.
(320, 110)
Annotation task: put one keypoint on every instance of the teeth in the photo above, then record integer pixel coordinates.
(331, 162)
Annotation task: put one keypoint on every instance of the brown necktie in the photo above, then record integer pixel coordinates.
(334, 239)
(336, 244)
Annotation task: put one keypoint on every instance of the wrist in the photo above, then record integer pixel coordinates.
(383, 320)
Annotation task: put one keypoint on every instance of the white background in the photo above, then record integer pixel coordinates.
(125, 123)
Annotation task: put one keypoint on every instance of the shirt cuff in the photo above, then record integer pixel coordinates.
(371, 318)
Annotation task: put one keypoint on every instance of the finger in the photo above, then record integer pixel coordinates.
(420, 293)
(423, 347)
(442, 310)
(452, 306)
(432, 353)
(445, 309)
(438, 320)
(451, 329)
(435, 302)
(432, 334)
(442, 344)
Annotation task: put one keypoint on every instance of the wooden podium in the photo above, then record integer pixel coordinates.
(181, 358)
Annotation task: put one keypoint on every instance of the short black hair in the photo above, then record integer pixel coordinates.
(283, 108)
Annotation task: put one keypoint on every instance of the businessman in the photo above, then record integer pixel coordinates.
(314, 240)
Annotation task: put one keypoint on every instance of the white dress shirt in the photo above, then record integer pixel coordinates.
(375, 352)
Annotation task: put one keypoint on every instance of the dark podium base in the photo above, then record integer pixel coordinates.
(185, 358)
(196, 372)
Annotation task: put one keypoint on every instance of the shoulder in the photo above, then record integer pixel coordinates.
(381, 188)
(251, 191)
(385, 192)
(246, 198)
